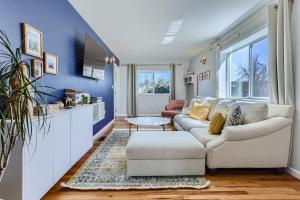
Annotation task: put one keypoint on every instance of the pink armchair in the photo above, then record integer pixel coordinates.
(173, 108)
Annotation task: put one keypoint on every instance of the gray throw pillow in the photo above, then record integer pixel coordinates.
(234, 116)
(253, 111)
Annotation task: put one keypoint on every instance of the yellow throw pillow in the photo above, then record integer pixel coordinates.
(200, 111)
(217, 123)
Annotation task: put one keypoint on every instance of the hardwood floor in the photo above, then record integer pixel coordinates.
(227, 184)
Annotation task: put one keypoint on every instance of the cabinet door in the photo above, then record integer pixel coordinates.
(62, 144)
(81, 132)
(38, 163)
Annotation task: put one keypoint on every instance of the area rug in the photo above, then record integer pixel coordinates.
(106, 170)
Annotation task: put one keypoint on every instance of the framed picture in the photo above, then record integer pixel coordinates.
(50, 63)
(200, 77)
(37, 68)
(32, 40)
(206, 75)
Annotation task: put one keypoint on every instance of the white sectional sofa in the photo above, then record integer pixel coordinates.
(262, 142)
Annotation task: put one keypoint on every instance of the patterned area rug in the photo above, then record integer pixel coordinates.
(106, 170)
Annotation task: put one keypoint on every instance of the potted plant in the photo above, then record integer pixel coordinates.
(18, 95)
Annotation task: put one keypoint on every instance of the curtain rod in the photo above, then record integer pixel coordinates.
(151, 64)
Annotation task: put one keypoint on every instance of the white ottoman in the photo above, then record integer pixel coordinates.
(164, 153)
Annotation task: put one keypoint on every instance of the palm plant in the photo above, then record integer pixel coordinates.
(16, 101)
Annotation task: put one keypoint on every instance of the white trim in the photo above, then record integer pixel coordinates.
(121, 115)
(293, 172)
(98, 135)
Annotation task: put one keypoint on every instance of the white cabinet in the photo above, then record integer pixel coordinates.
(38, 163)
(81, 132)
(62, 145)
(67, 136)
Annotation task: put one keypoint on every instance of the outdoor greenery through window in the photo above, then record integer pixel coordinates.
(248, 70)
(149, 82)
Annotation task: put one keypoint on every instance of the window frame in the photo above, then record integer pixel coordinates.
(153, 72)
(228, 76)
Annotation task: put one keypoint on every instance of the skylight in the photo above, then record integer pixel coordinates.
(171, 34)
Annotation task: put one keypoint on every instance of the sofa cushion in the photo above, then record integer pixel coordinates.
(164, 145)
(234, 116)
(223, 106)
(253, 111)
(217, 123)
(213, 102)
(200, 111)
(203, 135)
(188, 123)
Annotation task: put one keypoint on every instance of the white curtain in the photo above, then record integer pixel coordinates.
(131, 90)
(173, 85)
(280, 53)
(216, 67)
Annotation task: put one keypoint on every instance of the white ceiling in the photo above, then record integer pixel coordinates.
(134, 29)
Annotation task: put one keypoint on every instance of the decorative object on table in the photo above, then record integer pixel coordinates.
(15, 95)
(200, 77)
(96, 99)
(106, 170)
(206, 75)
(74, 95)
(50, 63)
(86, 99)
(68, 102)
(61, 104)
(37, 68)
(32, 40)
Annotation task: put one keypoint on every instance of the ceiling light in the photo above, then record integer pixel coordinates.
(173, 29)
(168, 39)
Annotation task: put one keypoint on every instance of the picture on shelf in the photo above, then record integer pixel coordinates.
(37, 68)
(50, 63)
(32, 40)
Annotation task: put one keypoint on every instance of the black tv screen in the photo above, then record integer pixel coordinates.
(94, 59)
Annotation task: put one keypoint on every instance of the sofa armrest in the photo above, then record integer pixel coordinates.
(249, 131)
(255, 130)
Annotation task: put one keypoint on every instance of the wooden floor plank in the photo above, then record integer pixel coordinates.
(233, 184)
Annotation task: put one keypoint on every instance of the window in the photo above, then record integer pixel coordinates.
(247, 70)
(149, 82)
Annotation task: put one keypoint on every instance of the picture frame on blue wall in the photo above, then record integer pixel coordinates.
(32, 41)
(50, 63)
(37, 68)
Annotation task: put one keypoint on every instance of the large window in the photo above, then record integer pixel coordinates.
(247, 69)
(149, 82)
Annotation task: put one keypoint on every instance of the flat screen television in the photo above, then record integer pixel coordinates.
(94, 59)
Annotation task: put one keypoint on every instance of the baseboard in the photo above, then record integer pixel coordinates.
(293, 172)
(121, 115)
(98, 135)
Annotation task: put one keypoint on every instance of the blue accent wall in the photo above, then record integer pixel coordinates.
(64, 35)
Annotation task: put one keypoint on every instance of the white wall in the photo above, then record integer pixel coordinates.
(205, 87)
(295, 162)
(151, 104)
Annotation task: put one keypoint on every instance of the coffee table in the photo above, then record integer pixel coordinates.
(147, 121)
